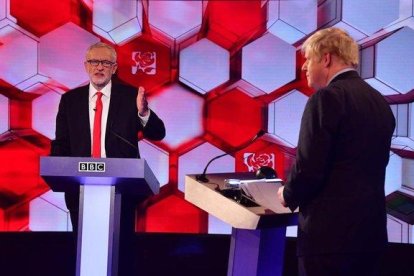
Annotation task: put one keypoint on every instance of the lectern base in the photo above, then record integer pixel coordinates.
(257, 252)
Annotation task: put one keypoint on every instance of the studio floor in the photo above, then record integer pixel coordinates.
(53, 254)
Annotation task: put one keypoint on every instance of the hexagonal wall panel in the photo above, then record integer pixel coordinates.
(157, 160)
(14, 218)
(144, 62)
(233, 23)
(217, 226)
(289, 106)
(41, 19)
(396, 47)
(175, 19)
(367, 71)
(234, 117)
(125, 19)
(268, 63)
(182, 113)
(371, 15)
(62, 54)
(18, 55)
(292, 20)
(48, 212)
(403, 114)
(393, 175)
(4, 114)
(204, 66)
(194, 162)
(266, 151)
(17, 184)
(3, 9)
(411, 121)
(44, 111)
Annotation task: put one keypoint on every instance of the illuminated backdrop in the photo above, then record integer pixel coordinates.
(216, 72)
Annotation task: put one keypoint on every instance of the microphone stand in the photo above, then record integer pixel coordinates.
(203, 177)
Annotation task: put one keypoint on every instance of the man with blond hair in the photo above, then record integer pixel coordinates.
(338, 178)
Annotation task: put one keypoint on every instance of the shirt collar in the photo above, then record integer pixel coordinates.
(106, 91)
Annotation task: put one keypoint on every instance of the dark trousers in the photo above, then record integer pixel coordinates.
(358, 264)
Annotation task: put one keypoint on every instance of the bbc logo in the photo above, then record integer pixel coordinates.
(91, 166)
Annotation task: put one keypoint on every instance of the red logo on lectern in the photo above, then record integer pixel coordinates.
(254, 161)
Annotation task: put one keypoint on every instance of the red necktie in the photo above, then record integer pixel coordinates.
(96, 141)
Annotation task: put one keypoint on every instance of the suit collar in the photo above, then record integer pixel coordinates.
(345, 75)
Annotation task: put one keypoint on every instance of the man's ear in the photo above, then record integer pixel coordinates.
(114, 68)
(327, 59)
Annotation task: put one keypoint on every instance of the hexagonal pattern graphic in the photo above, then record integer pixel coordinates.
(394, 176)
(18, 53)
(62, 53)
(3, 6)
(234, 117)
(145, 62)
(232, 23)
(369, 16)
(216, 72)
(194, 162)
(359, 19)
(187, 113)
(292, 20)
(16, 183)
(175, 19)
(204, 66)
(289, 106)
(44, 111)
(48, 16)
(4, 114)
(125, 19)
(48, 212)
(157, 160)
(263, 57)
(396, 47)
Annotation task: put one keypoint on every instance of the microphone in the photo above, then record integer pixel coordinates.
(203, 178)
(123, 139)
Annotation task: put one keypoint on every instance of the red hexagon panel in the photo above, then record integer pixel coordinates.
(42, 17)
(144, 62)
(235, 117)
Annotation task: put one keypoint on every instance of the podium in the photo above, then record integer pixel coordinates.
(258, 234)
(102, 182)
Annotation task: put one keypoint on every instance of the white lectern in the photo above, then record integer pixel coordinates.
(102, 182)
(258, 234)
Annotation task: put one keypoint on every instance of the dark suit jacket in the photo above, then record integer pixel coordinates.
(338, 178)
(73, 136)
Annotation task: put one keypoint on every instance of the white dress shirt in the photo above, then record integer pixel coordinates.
(106, 98)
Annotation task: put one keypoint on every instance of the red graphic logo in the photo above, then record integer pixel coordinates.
(145, 62)
(254, 161)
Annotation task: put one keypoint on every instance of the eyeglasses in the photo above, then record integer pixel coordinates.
(105, 63)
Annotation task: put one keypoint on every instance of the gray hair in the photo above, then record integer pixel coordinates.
(102, 45)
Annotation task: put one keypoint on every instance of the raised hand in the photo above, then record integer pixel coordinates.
(142, 103)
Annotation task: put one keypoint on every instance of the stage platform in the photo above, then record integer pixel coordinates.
(53, 253)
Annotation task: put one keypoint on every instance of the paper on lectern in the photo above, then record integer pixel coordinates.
(264, 193)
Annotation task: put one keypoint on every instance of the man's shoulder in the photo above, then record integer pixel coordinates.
(76, 92)
(121, 89)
